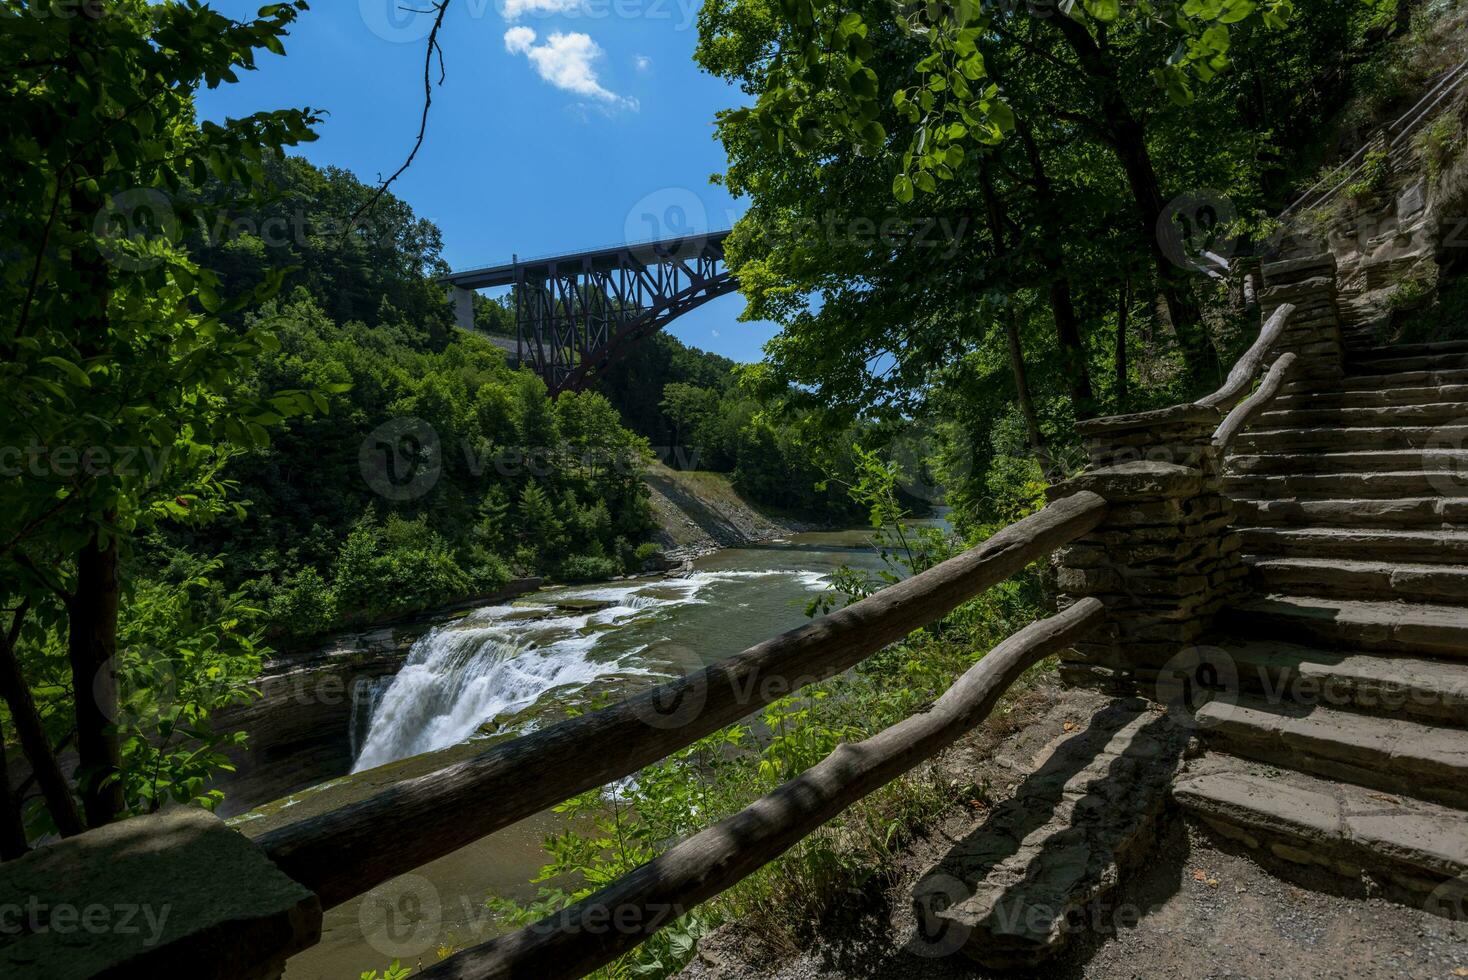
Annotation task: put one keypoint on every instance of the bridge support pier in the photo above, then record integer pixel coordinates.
(463, 303)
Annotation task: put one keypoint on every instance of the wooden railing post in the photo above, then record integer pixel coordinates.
(1165, 560)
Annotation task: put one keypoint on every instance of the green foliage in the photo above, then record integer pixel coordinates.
(394, 972)
(1429, 313)
(1375, 170)
(1440, 143)
(120, 359)
(502, 446)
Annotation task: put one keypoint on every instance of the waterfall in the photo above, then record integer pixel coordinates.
(499, 661)
(460, 676)
(366, 696)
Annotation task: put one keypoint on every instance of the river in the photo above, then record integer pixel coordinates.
(505, 670)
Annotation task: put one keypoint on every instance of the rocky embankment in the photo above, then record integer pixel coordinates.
(699, 513)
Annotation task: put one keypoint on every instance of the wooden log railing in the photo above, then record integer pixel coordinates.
(1247, 368)
(602, 926)
(346, 852)
(1245, 411)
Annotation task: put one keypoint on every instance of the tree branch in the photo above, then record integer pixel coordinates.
(441, 8)
(32, 735)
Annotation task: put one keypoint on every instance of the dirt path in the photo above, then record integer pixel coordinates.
(1201, 907)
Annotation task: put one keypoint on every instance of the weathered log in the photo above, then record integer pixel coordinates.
(346, 852)
(602, 926)
(1246, 410)
(1248, 366)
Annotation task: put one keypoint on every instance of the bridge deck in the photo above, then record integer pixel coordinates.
(648, 252)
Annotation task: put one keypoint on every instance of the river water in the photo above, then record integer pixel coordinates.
(502, 671)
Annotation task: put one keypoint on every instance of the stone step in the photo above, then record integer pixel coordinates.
(1336, 438)
(1359, 544)
(1425, 762)
(1356, 486)
(1414, 629)
(1430, 691)
(1084, 815)
(1420, 848)
(1411, 362)
(1345, 578)
(1410, 350)
(1422, 378)
(1436, 411)
(1400, 512)
(1447, 460)
(1376, 398)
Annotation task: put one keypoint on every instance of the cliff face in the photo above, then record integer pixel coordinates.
(699, 512)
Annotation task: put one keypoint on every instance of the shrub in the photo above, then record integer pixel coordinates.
(586, 568)
(304, 605)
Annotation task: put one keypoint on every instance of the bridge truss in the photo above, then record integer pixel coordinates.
(575, 314)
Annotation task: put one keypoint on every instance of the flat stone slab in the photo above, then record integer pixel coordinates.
(1141, 480)
(170, 895)
(1339, 826)
(1397, 627)
(1396, 755)
(1395, 687)
(1011, 892)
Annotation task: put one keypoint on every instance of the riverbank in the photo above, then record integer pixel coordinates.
(699, 513)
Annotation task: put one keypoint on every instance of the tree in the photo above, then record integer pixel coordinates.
(119, 399)
(686, 405)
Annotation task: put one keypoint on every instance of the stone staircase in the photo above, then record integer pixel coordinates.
(1339, 734)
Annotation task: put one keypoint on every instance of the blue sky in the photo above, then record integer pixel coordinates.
(562, 124)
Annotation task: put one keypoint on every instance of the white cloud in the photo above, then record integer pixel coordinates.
(518, 40)
(514, 9)
(642, 62)
(565, 60)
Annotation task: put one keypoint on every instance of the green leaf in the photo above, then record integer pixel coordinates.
(76, 375)
(902, 188)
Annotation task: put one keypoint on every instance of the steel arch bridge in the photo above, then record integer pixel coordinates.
(577, 313)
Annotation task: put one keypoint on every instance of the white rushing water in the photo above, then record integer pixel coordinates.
(501, 660)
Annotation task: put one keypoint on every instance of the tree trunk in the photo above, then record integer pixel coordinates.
(1062, 306)
(1026, 402)
(995, 213)
(1127, 137)
(92, 646)
(1123, 321)
(13, 841)
(1403, 22)
(32, 736)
